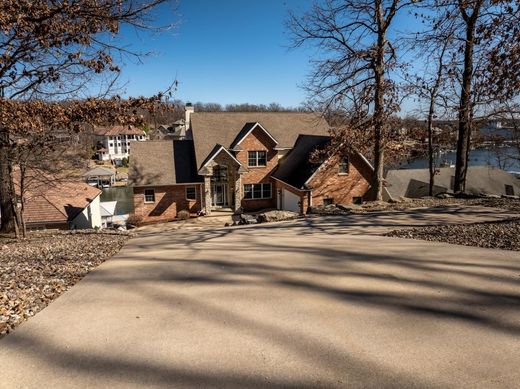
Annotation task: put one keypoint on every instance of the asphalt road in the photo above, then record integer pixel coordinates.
(318, 303)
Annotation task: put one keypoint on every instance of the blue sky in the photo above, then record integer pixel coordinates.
(232, 51)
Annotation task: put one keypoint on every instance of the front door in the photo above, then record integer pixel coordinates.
(220, 195)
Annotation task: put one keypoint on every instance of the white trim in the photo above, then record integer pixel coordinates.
(262, 190)
(251, 130)
(366, 160)
(295, 188)
(316, 171)
(217, 153)
(186, 192)
(144, 196)
(256, 159)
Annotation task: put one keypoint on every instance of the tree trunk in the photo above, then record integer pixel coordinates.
(465, 106)
(379, 107)
(7, 224)
(431, 165)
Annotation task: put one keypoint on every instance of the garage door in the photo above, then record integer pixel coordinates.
(290, 201)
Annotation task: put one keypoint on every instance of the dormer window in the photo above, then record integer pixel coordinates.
(343, 165)
(257, 158)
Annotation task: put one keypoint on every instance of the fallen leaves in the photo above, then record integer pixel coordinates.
(37, 270)
(503, 235)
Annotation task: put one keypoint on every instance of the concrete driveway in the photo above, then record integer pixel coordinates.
(319, 303)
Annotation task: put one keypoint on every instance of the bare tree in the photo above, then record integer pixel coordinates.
(56, 49)
(487, 59)
(430, 85)
(352, 70)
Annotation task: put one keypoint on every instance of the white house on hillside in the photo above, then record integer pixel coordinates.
(115, 142)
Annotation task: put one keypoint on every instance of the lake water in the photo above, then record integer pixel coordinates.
(124, 196)
(477, 157)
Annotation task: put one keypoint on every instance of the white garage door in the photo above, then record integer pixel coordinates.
(290, 201)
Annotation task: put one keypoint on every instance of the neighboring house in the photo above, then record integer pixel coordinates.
(65, 205)
(99, 177)
(230, 160)
(487, 180)
(114, 143)
(176, 131)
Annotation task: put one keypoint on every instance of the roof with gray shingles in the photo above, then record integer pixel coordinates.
(414, 183)
(296, 168)
(211, 128)
(98, 172)
(161, 163)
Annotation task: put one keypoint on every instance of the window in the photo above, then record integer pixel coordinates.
(257, 158)
(343, 166)
(257, 191)
(149, 196)
(357, 200)
(111, 144)
(510, 191)
(220, 174)
(191, 193)
(328, 201)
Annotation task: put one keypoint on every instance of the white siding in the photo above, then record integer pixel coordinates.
(90, 217)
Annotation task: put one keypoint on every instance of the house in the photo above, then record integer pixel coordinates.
(99, 177)
(114, 142)
(175, 131)
(243, 161)
(65, 205)
(486, 180)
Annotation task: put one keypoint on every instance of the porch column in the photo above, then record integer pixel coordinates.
(207, 195)
(238, 192)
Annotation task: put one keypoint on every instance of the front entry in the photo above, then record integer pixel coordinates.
(220, 195)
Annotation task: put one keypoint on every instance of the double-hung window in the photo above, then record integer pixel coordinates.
(191, 193)
(257, 191)
(149, 196)
(256, 158)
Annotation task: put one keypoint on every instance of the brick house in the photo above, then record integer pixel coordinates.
(243, 160)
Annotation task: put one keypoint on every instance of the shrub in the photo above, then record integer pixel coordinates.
(183, 215)
(134, 220)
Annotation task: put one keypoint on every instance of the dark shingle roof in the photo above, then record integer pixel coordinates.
(165, 162)
(211, 128)
(296, 168)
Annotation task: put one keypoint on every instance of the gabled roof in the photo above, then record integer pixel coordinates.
(296, 168)
(211, 128)
(248, 128)
(216, 151)
(59, 202)
(98, 171)
(164, 162)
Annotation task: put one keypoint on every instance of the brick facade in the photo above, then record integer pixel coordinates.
(327, 183)
(169, 200)
(258, 140)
